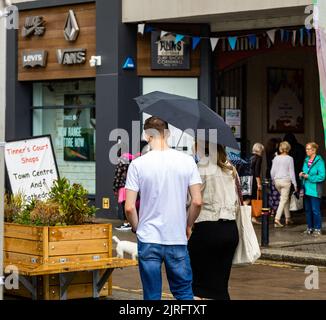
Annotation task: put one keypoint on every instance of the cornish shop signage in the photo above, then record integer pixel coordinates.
(34, 58)
(31, 167)
(167, 54)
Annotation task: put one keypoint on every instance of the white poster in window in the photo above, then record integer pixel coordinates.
(233, 119)
(31, 167)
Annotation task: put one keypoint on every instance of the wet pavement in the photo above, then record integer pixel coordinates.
(266, 280)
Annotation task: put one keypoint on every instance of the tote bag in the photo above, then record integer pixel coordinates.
(248, 250)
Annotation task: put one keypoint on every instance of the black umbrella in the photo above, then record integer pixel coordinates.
(185, 113)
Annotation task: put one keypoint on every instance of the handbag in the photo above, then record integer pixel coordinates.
(296, 204)
(248, 250)
(257, 206)
(246, 185)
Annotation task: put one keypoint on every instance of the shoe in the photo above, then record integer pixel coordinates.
(308, 231)
(289, 222)
(278, 224)
(255, 221)
(317, 233)
(124, 227)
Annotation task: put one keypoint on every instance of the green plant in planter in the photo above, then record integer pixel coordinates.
(73, 202)
(13, 206)
(24, 216)
(46, 213)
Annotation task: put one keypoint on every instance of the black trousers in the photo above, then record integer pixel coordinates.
(211, 248)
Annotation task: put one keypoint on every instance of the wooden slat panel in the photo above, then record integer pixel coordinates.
(79, 278)
(78, 258)
(53, 39)
(84, 232)
(21, 258)
(78, 247)
(23, 232)
(77, 291)
(23, 246)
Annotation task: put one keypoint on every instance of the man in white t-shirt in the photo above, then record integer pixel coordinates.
(163, 177)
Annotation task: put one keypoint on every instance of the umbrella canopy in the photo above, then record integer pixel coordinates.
(235, 159)
(185, 113)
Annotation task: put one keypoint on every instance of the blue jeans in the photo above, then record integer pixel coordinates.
(313, 215)
(177, 265)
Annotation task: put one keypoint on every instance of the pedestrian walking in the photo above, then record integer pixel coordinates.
(272, 150)
(297, 152)
(283, 176)
(312, 177)
(215, 235)
(163, 177)
(255, 164)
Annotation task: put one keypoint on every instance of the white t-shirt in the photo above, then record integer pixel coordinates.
(162, 178)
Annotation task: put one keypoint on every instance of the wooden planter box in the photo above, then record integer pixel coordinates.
(34, 246)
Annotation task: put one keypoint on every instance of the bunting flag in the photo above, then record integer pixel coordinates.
(178, 37)
(141, 28)
(214, 42)
(233, 42)
(294, 37)
(301, 36)
(195, 42)
(163, 34)
(149, 29)
(252, 40)
(287, 35)
(282, 35)
(320, 26)
(271, 35)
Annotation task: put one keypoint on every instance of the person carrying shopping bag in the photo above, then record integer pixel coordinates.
(283, 175)
(312, 177)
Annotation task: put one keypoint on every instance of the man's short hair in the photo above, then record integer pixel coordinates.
(155, 123)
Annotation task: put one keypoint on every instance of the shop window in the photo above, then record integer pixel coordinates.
(66, 111)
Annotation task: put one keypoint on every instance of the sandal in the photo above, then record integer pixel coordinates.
(289, 222)
(278, 224)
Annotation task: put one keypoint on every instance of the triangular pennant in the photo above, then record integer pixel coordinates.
(178, 37)
(294, 37)
(163, 34)
(195, 42)
(214, 42)
(271, 35)
(252, 40)
(149, 28)
(233, 42)
(282, 35)
(129, 64)
(141, 28)
(301, 36)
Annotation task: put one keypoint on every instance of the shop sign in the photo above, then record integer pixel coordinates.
(33, 26)
(31, 167)
(71, 30)
(71, 56)
(233, 119)
(34, 58)
(167, 54)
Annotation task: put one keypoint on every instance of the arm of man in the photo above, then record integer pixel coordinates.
(130, 208)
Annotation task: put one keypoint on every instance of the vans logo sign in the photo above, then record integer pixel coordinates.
(71, 56)
(34, 58)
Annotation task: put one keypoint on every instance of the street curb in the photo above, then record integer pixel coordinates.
(293, 257)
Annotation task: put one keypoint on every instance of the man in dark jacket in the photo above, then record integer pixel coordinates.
(298, 153)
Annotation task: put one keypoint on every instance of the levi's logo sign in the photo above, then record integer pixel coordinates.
(34, 58)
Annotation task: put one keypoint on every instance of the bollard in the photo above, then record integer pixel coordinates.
(265, 215)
